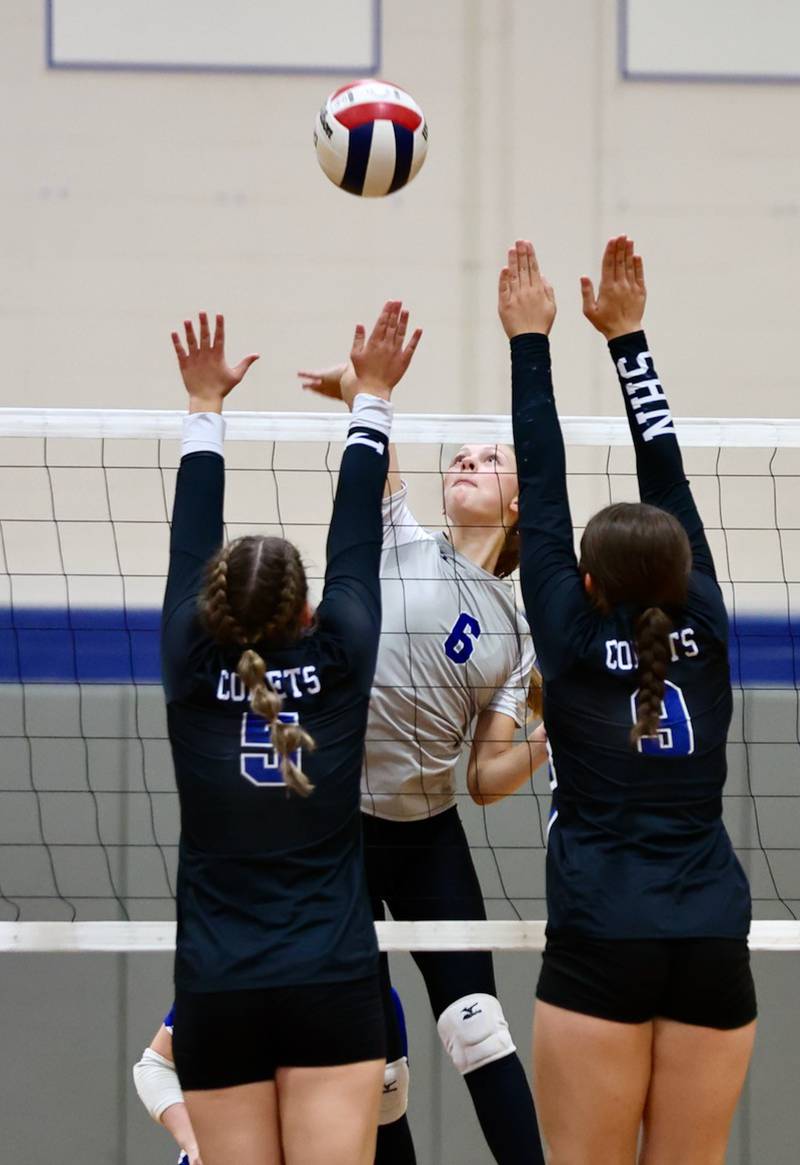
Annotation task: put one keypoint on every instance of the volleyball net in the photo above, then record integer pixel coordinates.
(88, 810)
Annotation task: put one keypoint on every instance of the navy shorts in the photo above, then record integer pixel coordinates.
(701, 981)
(225, 1038)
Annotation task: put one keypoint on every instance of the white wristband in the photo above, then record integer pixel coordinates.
(374, 412)
(203, 433)
(157, 1082)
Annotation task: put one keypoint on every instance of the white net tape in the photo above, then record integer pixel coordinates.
(422, 428)
(493, 935)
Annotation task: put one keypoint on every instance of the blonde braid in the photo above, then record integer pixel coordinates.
(266, 702)
(216, 609)
(286, 610)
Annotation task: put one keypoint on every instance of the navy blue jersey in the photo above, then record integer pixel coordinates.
(636, 846)
(271, 887)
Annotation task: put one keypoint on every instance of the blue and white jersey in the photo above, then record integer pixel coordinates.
(453, 644)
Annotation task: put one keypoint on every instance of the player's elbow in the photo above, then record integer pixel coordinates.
(484, 798)
(478, 792)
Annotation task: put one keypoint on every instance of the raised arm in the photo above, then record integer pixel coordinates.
(351, 600)
(551, 585)
(199, 491)
(617, 313)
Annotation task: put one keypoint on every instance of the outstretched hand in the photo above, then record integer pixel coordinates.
(206, 374)
(380, 360)
(619, 305)
(525, 301)
(332, 383)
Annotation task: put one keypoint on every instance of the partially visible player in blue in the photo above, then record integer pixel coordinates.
(646, 1006)
(160, 1092)
(279, 1036)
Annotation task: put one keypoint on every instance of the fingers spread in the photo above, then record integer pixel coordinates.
(219, 333)
(243, 365)
(411, 346)
(180, 351)
(393, 321)
(191, 339)
(205, 335)
(382, 323)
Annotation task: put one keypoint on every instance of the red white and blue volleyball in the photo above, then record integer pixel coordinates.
(371, 138)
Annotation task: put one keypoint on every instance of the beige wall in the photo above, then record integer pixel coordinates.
(130, 199)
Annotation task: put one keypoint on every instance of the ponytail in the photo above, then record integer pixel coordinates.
(266, 702)
(652, 630)
(536, 693)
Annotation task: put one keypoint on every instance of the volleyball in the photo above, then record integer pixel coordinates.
(371, 138)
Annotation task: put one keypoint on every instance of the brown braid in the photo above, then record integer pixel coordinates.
(286, 738)
(256, 593)
(640, 554)
(653, 627)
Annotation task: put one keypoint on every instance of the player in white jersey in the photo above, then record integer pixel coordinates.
(454, 666)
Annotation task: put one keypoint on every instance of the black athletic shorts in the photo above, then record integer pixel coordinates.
(223, 1038)
(702, 981)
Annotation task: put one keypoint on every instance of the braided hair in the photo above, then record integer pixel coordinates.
(640, 554)
(256, 592)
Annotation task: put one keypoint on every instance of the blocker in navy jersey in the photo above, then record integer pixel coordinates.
(637, 847)
(271, 886)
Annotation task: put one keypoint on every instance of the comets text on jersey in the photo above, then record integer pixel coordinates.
(291, 681)
(621, 653)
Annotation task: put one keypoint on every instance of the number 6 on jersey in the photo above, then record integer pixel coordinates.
(460, 643)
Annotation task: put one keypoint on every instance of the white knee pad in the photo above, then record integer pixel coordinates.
(474, 1032)
(394, 1101)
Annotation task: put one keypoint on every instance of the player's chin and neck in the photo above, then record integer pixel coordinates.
(466, 507)
(476, 531)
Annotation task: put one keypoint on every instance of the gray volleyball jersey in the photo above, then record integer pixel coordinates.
(453, 644)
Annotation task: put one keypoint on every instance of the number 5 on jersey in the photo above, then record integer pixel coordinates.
(675, 736)
(259, 760)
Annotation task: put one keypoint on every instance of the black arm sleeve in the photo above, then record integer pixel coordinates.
(659, 465)
(552, 588)
(351, 599)
(195, 536)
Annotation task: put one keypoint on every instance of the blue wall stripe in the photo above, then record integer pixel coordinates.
(113, 646)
